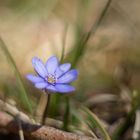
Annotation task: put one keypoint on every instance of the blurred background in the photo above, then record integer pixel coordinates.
(100, 38)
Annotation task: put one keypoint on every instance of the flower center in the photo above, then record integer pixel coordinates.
(51, 79)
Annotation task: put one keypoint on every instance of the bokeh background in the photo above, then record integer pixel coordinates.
(108, 63)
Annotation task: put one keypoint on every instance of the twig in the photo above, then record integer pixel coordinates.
(32, 131)
(13, 111)
(21, 135)
(37, 132)
(136, 133)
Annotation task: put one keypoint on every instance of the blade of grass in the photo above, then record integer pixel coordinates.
(81, 43)
(123, 127)
(18, 76)
(64, 42)
(94, 121)
(81, 121)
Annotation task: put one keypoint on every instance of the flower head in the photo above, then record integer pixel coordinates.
(52, 76)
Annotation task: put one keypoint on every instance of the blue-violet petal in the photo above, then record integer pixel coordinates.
(34, 79)
(51, 88)
(41, 85)
(68, 77)
(39, 67)
(64, 88)
(62, 69)
(52, 64)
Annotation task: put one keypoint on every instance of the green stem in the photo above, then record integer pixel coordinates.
(55, 99)
(67, 114)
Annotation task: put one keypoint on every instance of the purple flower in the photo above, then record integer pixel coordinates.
(52, 76)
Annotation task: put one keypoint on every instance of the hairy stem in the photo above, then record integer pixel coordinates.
(42, 108)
